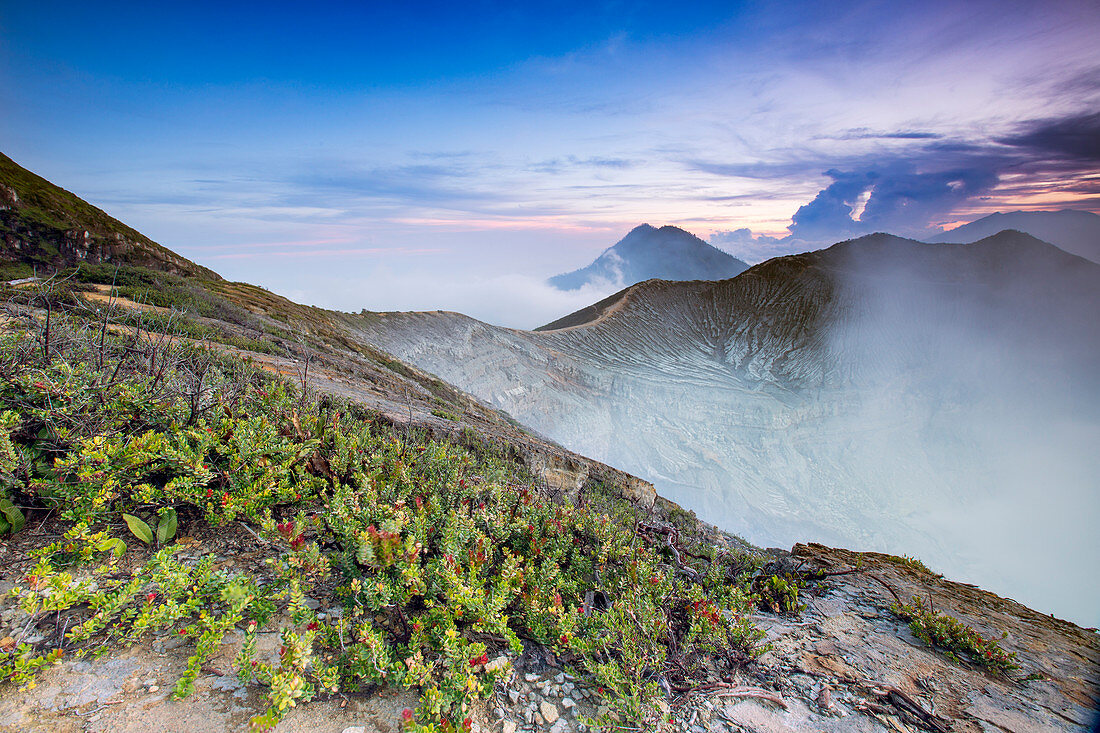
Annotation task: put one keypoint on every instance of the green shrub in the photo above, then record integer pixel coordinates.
(431, 548)
(954, 637)
(778, 593)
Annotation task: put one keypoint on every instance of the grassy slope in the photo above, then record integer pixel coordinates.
(47, 211)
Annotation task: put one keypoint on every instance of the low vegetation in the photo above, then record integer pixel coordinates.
(433, 563)
(955, 638)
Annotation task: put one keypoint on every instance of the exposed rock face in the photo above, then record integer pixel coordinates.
(878, 394)
(848, 654)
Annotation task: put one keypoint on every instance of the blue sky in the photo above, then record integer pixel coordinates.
(421, 155)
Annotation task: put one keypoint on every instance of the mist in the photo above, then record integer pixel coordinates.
(509, 300)
(985, 386)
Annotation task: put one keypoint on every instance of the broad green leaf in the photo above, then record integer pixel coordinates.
(166, 530)
(12, 514)
(4, 526)
(115, 545)
(139, 528)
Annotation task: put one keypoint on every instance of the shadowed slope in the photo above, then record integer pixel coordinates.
(1076, 232)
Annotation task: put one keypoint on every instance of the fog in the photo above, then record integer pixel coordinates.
(987, 371)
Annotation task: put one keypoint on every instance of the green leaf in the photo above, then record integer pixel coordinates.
(14, 517)
(166, 530)
(139, 528)
(115, 545)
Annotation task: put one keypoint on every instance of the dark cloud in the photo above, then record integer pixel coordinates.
(907, 202)
(1076, 138)
(830, 213)
(908, 192)
(1083, 83)
(862, 133)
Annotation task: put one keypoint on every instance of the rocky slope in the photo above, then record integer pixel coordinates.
(647, 252)
(871, 395)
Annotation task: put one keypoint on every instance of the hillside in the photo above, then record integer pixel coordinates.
(44, 226)
(1076, 232)
(268, 522)
(646, 252)
(850, 395)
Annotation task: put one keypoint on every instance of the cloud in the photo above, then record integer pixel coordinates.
(830, 213)
(754, 248)
(511, 300)
(1074, 138)
(908, 202)
(862, 133)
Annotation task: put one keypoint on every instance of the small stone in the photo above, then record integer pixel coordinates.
(567, 703)
(497, 664)
(513, 695)
(354, 729)
(509, 727)
(530, 677)
(549, 711)
(153, 688)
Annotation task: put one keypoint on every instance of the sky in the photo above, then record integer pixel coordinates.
(453, 156)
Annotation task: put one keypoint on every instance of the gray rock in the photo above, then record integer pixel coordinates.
(549, 711)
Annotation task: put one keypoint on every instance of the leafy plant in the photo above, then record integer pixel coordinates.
(139, 528)
(444, 558)
(954, 637)
(778, 593)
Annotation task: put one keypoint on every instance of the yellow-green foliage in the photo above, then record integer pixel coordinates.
(432, 548)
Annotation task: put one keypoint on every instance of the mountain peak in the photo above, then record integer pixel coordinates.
(646, 252)
(1072, 230)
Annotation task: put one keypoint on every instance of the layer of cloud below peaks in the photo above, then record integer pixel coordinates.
(510, 300)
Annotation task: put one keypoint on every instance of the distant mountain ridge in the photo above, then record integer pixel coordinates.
(1072, 230)
(668, 253)
(45, 227)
